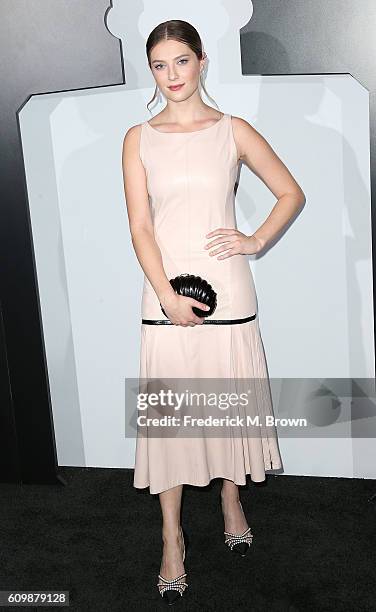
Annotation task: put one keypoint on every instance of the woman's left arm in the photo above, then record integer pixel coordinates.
(261, 159)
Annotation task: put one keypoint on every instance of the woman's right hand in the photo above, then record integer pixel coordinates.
(178, 309)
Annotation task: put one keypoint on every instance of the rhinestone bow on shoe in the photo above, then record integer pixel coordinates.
(176, 584)
(239, 542)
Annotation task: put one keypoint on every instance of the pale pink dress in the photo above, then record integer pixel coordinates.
(190, 180)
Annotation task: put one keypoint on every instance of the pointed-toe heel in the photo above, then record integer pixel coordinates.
(239, 543)
(170, 590)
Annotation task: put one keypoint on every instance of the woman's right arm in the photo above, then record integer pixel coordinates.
(178, 308)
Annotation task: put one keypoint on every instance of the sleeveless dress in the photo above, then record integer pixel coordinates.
(190, 181)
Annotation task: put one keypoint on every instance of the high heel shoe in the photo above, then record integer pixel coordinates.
(170, 589)
(239, 543)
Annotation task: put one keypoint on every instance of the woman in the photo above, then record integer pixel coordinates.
(185, 160)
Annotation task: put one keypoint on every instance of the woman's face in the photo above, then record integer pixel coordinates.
(174, 63)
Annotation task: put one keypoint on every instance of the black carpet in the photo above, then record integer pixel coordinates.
(100, 539)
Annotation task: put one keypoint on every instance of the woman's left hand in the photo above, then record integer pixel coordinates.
(234, 242)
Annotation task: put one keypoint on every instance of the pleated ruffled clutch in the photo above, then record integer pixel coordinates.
(195, 287)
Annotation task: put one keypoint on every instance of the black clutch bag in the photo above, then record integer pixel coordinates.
(197, 288)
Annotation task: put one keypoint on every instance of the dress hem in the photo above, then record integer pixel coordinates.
(204, 484)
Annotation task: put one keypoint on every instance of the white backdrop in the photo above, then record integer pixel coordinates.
(314, 285)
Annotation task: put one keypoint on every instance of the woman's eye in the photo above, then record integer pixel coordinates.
(158, 65)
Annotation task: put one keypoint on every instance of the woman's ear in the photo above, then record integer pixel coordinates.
(204, 56)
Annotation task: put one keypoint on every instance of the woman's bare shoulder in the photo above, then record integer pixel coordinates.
(242, 126)
(133, 132)
(244, 134)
